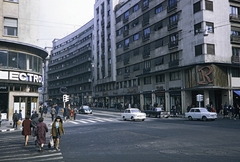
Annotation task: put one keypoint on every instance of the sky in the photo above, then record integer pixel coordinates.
(60, 18)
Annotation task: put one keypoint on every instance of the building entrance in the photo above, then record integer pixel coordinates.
(3, 102)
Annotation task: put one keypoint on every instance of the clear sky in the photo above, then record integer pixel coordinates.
(60, 18)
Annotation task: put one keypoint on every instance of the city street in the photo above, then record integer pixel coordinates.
(104, 137)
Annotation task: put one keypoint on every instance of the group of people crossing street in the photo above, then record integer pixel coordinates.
(36, 127)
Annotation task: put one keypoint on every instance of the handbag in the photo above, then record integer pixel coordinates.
(19, 122)
(51, 142)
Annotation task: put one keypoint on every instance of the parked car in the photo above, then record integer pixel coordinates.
(133, 114)
(156, 112)
(200, 113)
(85, 110)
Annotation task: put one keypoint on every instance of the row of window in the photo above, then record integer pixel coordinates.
(79, 50)
(20, 61)
(73, 38)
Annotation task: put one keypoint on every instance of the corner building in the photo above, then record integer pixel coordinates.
(20, 57)
(70, 67)
(168, 51)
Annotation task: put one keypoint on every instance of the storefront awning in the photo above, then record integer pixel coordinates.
(237, 92)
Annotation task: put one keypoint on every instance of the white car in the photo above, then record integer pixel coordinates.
(85, 110)
(200, 113)
(133, 114)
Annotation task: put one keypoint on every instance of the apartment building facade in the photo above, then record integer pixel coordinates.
(70, 67)
(20, 57)
(169, 51)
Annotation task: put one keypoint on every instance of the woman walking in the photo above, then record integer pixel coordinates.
(57, 131)
(26, 124)
(41, 131)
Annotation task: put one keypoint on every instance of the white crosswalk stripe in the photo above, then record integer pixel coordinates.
(92, 120)
(12, 149)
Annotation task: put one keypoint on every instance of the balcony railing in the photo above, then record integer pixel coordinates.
(172, 45)
(146, 70)
(234, 17)
(235, 59)
(172, 7)
(173, 63)
(234, 1)
(235, 39)
(173, 25)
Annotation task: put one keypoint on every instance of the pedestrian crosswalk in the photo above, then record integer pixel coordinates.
(92, 120)
(12, 149)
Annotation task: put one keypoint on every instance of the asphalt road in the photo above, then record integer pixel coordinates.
(109, 139)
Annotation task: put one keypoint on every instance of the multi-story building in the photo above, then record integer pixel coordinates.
(70, 67)
(104, 52)
(169, 51)
(20, 57)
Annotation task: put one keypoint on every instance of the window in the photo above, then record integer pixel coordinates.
(3, 58)
(159, 61)
(119, 32)
(147, 80)
(158, 9)
(135, 37)
(235, 72)
(135, 8)
(235, 51)
(158, 43)
(126, 15)
(146, 32)
(145, 3)
(126, 42)
(160, 78)
(210, 27)
(209, 5)
(12, 60)
(197, 28)
(134, 23)
(118, 19)
(136, 67)
(197, 7)
(175, 76)
(174, 56)
(119, 45)
(198, 50)
(10, 26)
(173, 19)
(234, 10)
(158, 26)
(211, 49)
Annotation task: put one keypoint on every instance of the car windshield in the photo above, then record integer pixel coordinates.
(135, 111)
(86, 108)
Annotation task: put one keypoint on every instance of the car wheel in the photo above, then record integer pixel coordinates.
(204, 118)
(190, 118)
(143, 119)
(124, 118)
(132, 118)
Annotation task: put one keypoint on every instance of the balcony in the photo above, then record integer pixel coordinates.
(236, 59)
(172, 45)
(173, 63)
(235, 39)
(234, 18)
(237, 1)
(146, 70)
(172, 7)
(173, 25)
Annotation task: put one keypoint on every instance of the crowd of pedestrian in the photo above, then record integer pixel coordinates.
(36, 127)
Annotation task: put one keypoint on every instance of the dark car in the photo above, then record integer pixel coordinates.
(85, 110)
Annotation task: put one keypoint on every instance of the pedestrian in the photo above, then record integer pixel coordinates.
(20, 115)
(75, 113)
(56, 108)
(71, 114)
(225, 110)
(41, 110)
(34, 111)
(41, 131)
(15, 119)
(45, 110)
(53, 113)
(34, 124)
(26, 131)
(237, 112)
(57, 131)
(68, 111)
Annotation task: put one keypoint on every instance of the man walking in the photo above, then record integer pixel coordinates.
(53, 113)
(15, 119)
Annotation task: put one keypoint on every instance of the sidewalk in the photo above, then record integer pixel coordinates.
(5, 126)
